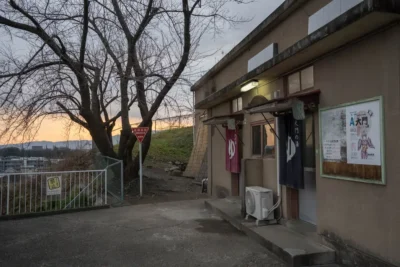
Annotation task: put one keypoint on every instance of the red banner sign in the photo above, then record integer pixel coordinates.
(140, 133)
(232, 158)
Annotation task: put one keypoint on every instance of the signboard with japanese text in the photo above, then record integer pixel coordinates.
(53, 185)
(333, 133)
(331, 149)
(351, 141)
(363, 135)
(140, 133)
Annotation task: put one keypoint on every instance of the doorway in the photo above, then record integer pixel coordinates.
(307, 196)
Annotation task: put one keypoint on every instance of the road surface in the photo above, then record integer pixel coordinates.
(165, 234)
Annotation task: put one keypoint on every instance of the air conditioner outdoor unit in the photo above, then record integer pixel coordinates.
(259, 203)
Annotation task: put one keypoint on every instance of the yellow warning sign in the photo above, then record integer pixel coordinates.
(53, 185)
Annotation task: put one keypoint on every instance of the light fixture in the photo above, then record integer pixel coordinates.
(249, 86)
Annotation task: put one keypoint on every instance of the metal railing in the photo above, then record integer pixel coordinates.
(115, 180)
(22, 193)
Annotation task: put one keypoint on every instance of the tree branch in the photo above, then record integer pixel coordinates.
(72, 116)
(107, 46)
(34, 68)
(84, 32)
(121, 19)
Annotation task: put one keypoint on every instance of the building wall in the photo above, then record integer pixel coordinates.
(287, 33)
(259, 171)
(220, 177)
(365, 216)
(254, 172)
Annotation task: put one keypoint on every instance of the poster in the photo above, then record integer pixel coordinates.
(331, 149)
(53, 186)
(355, 128)
(333, 130)
(232, 158)
(363, 133)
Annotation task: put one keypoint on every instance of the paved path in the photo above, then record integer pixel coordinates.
(165, 234)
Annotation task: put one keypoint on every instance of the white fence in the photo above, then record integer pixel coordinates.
(23, 193)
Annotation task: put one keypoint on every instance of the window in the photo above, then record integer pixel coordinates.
(294, 83)
(256, 140)
(237, 104)
(307, 78)
(301, 80)
(263, 140)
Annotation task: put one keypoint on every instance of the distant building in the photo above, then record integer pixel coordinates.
(55, 161)
(37, 148)
(17, 164)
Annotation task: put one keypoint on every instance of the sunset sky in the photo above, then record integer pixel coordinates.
(57, 130)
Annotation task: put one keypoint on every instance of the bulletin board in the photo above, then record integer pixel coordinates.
(352, 141)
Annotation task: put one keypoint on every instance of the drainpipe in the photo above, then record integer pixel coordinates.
(242, 187)
(278, 186)
(194, 121)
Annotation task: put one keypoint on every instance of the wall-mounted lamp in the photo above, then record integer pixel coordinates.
(249, 86)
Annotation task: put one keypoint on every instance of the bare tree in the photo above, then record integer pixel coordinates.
(83, 58)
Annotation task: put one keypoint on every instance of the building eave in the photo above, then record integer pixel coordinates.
(274, 19)
(316, 44)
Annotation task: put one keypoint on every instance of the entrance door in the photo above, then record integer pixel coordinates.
(307, 196)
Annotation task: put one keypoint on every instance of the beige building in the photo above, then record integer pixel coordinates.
(335, 67)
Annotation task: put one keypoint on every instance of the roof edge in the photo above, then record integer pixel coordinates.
(362, 9)
(278, 15)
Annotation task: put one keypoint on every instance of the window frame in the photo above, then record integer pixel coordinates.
(235, 102)
(299, 73)
(263, 125)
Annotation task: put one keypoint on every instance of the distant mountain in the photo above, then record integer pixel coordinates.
(73, 144)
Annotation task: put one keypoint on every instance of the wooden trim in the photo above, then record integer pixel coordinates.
(292, 203)
(235, 184)
(262, 122)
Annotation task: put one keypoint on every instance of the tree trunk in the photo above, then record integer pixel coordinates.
(102, 141)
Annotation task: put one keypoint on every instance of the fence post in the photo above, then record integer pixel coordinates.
(122, 181)
(105, 186)
(8, 194)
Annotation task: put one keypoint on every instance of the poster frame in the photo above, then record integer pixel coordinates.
(382, 139)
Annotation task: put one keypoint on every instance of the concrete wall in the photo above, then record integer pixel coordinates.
(366, 216)
(220, 178)
(287, 33)
(269, 174)
(254, 172)
(261, 171)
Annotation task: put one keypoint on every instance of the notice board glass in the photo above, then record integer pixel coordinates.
(352, 141)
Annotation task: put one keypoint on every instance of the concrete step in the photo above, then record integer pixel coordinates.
(294, 248)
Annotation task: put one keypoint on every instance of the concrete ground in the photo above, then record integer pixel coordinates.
(159, 186)
(180, 233)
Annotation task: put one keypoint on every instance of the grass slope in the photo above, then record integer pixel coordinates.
(171, 145)
(168, 145)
